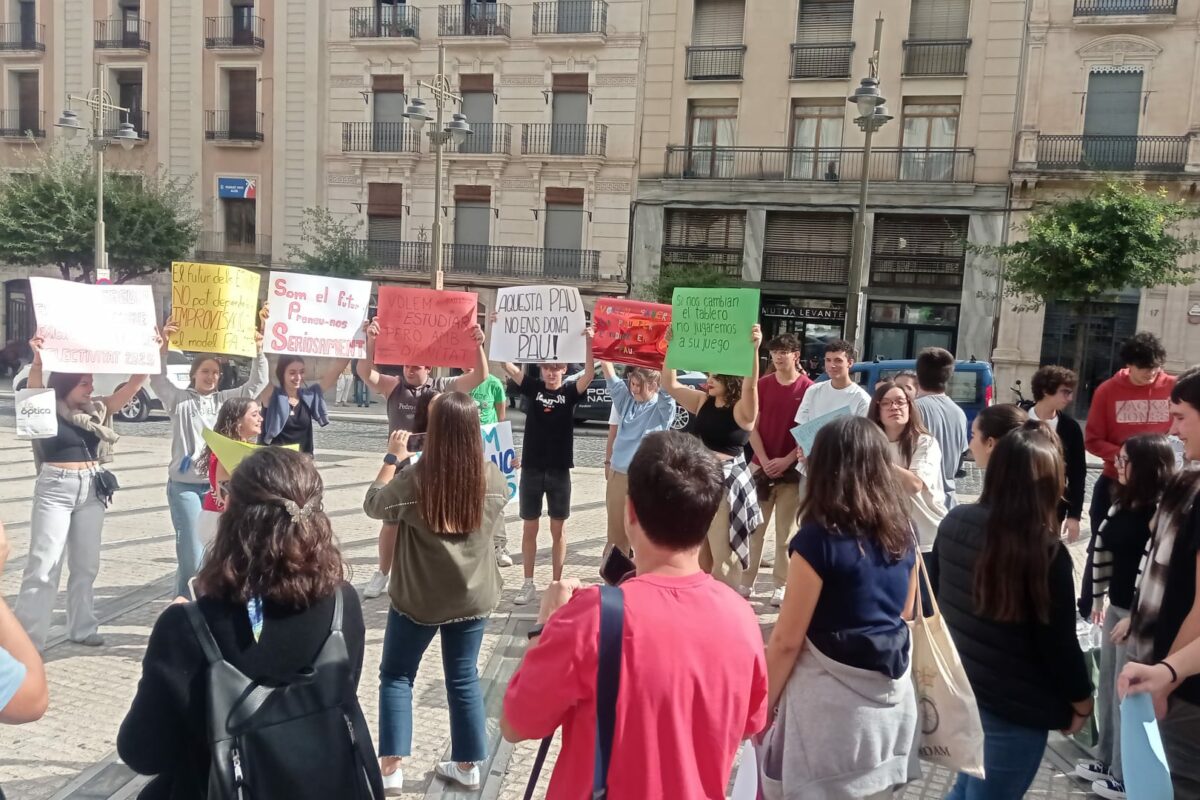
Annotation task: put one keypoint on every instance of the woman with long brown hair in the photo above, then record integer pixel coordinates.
(269, 593)
(838, 662)
(1004, 583)
(445, 580)
(239, 419)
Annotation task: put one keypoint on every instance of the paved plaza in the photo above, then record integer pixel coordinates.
(70, 753)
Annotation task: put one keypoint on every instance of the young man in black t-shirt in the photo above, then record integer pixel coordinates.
(547, 456)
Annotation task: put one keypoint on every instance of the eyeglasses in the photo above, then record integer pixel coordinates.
(1121, 460)
(896, 404)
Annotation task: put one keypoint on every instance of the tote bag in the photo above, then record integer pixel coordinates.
(951, 733)
(37, 415)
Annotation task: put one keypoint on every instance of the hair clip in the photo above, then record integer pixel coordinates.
(295, 511)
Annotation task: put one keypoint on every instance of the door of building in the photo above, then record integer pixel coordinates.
(243, 103)
(564, 239)
(478, 106)
(569, 114)
(29, 106)
(27, 13)
(240, 225)
(472, 232)
(1108, 326)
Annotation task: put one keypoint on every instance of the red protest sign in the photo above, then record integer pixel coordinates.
(631, 332)
(425, 327)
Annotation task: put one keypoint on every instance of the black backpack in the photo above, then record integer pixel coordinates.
(293, 741)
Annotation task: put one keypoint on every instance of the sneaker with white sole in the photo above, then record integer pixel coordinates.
(376, 586)
(468, 778)
(777, 597)
(502, 556)
(527, 594)
(1092, 770)
(1109, 789)
(394, 784)
(745, 591)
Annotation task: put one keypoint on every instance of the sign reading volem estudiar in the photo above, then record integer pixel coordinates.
(236, 188)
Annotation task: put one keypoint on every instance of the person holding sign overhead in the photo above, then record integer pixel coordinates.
(401, 395)
(290, 409)
(69, 503)
(725, 415)
(191, 411)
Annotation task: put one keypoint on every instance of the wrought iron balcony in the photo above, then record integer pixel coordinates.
(564, 140)
(123, 34)
(570, 17)
(385, 22)
(936, 57)
(822, 60)
(715, 62)
(486, 260)
(1114, 8)
(476, 19)
(379, 137)
(230, 32)
(20, 123)
(1112, 153)
(226, 126)
(488, 138)
(22, 36)
(138, 118)
(829, 165)
(233, 249)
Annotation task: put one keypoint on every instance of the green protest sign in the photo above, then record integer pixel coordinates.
(710, 330)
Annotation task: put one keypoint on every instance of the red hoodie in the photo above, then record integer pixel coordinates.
(1121, 410)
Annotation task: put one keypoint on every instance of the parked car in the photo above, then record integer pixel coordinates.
(179, 365)
(597, 406)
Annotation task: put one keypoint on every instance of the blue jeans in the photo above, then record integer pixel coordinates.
(184, 501)
(404, 643)
(1012, 755)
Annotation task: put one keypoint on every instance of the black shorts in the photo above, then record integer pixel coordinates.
(555, 484)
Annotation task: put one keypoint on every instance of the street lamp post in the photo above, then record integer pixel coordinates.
(99, 101)
(872, 115)
(457, 130)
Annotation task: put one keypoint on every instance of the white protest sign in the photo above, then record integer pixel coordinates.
(539, 324)
(96, 329)
(499, 449)
(37, 416)
(312, 315)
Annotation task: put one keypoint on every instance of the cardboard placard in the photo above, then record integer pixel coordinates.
(539, 325)
(710, 330)
(37, 413)
(230, 452)
(216, 308)
(312, 315)
(106, 329)
(498, 448)
(631, 332)
(426, 327)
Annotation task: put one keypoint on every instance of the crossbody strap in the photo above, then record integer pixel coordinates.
(608, 682)
(208, 644)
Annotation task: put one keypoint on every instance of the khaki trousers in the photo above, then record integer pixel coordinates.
(615, 494)
(721, 561)
(784, 500)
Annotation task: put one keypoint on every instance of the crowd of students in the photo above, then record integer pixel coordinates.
(830, 699)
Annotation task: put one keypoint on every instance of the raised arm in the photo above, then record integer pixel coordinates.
(378, 383)
(472, 378)
(121, 397)
(689, 398)
(260, 378)
(609, 372)
(168, 393)
(589, 366)
(515, 373)
(36, 380)
(745, 411)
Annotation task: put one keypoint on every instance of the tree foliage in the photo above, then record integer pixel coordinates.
(329, 246)
(48, 216)
(698, 276)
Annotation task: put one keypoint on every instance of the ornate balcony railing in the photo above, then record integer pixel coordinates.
(226, 126)
(1089, 152)
(1114, 8)
(22, 36)
(488, 138)
(234, 249)
(490, 260)
(476, 19)
(564, 139)
(229, 32)
(379, 137)
(570, 17)
(386, 22)
(822, 60)
(715, 62)
(936, 57)
(123, 34)
(830, 165)
(19, 123)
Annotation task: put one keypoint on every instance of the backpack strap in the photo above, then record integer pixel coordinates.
(208, 644)
(608, 682)
(335, 625)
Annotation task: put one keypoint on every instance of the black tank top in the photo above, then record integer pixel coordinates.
(718, 429)
(70, 444)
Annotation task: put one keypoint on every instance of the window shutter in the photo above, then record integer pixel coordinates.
(385, 199)
(706, 229)
(810, 248)
(384, 229)
(911, 250)
(939, 19)
(718, 22)
(564, 196)
(824, 21)
(575, 82)
(479, 194)
(476, 83)
(387, 83)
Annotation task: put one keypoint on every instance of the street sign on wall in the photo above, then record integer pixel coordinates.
(236, 188)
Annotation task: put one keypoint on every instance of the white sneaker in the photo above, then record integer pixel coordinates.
(777, 597)
(394, 784)
(376, 586)
(451, 771)
(745, 591)
(502, 556)
(526, 595)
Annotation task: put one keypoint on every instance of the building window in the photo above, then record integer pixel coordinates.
(817, 139)
(937, 37)
(385, 207)
(241, 86)
(564, 232)
(915, 251)
(804, 247)
(472, 228)
(1110, 120)
(387, 113)
(901, 330)
(716, 52)
(128, 92)
(479, 104)
(240, 224)
(712, 130)
(25, 114)
(695, 236)
(823, 46)
(930, 134)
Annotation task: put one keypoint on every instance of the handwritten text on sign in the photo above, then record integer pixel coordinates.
(631, 332)
(311, 315)
(539, 324)
(498, 448)
(426, 327)
(99, 329)
(710, 330)
(216, 308)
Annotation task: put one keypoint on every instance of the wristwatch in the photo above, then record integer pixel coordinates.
(536, 630)
(391, 460)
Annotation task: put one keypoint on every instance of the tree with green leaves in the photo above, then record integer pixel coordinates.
(330, 245)
(686, 275)
(48, 216)
(1083, 250)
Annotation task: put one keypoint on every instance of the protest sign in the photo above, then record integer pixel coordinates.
(37, 414)
(806, 432)
(631, 332)
(311, 315)
(499, 449)
(710, 330)
(97, 329)
(1143, 760)
(216, 308)
(539, 324)
(230, 452)
(426, 327)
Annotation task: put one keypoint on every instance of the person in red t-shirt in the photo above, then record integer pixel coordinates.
(693, 673)
(779, 396)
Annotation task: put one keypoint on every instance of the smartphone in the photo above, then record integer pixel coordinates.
(616, 566)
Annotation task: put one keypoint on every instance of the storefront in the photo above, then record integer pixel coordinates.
(901, 330)
(813, 321)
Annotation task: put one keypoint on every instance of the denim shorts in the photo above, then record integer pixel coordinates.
(554, 484)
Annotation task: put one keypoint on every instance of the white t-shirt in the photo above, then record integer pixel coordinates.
(1053, 423)
(928, 507)
(822, 398)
